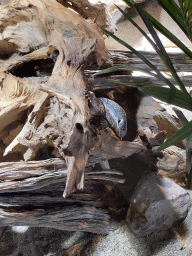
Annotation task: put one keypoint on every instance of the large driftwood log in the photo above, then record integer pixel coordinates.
(61, 115)
(38, 112)
(31, 194)
(42, 105)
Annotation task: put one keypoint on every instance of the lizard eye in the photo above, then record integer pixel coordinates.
(119, 121)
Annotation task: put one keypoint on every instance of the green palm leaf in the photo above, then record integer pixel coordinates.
(186, 10)
(168, 34)
(169, 95)
(160, 48)
(179, 135)
(142, 57)
(173, 10)
(180, 14)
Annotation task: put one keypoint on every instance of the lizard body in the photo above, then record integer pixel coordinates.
(115, 116)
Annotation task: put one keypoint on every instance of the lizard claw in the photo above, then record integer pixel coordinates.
(89, 95)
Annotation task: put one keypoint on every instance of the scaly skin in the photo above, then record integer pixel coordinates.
(115, 116)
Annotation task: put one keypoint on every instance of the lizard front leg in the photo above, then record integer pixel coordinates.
(96, 106)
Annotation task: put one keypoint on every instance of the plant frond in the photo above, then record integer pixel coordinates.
(181, 14)
(186, 11)
(168, 34)
(160, 48)
(168, 95)
(179, 135)
(141, 56)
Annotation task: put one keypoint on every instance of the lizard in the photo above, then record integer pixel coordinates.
(110, 110)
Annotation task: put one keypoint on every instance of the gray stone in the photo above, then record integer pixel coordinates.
(168, 162)
(156, 204)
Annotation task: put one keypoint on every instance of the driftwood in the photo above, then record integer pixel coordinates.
(97, 13)
(61, 115)
(101, 82)
(37, 112)
(31, 194)
(42, 107)
(181, 61)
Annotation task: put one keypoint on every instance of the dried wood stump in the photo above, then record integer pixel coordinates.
(43, 109)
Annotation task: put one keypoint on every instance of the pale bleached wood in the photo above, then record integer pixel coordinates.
(59, 104)
(97, 13)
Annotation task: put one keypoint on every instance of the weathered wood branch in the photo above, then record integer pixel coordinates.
(31, 194)
(34, 175)
(181, 61)
(105, 83)
(88, 219)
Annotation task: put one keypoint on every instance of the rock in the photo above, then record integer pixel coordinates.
(156, 204)
(168, 162)
(151, 116)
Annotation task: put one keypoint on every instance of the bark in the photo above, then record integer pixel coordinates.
(31, 194)
(182, 63)
(180, 60)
